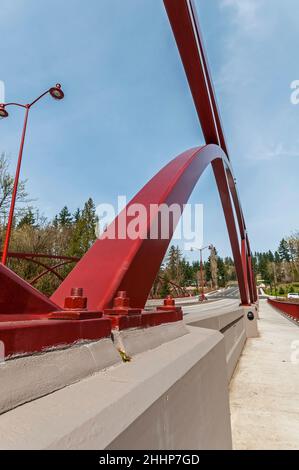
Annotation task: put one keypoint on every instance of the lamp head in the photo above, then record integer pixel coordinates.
(56, 92)
(3, 112)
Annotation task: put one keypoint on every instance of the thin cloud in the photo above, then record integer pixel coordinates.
(278, 151)
(245, 12)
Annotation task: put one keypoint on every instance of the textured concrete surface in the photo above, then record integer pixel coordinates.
(228, 318)
(26, 378)
(136, 341)
(172, 397)
(264, 390)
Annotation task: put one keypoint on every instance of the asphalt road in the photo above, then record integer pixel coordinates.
(192, 305)
(217, 306)
(228, 293)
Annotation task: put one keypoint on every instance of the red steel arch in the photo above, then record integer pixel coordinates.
(122, 264)
(131, 265)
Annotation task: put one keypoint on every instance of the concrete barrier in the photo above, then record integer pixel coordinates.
(172, 394)
(172, 397)
(233, 327)
(24, 379)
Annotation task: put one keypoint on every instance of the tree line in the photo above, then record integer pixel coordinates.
(280, 266)
(176, 271)
(68, 234)
(72, 234)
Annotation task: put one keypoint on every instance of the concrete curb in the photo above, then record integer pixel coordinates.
(24, 379)
(172, 397)
(136, 341)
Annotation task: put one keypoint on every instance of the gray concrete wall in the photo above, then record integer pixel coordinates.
(174, 396)
(231, 325)
(192, 414)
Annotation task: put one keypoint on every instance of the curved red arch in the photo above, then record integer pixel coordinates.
(125, 264)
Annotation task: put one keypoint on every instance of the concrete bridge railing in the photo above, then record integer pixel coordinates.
(171, 394)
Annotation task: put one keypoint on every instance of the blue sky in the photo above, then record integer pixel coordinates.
(128, 108)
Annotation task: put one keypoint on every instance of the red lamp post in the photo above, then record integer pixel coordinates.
(202, 295)
(56, 93)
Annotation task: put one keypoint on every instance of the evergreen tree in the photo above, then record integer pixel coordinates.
(84, 231)
(65, 217)
(89, 220)
(76, 215)
(55, 222)
(284, 251)
(222, 272)
(173, 260)
(27, 219)
(165, 289)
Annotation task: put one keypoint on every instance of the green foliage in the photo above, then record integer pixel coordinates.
(66, 235)
(176, 274)
(64, 218)
(27, 219)
(284, 251)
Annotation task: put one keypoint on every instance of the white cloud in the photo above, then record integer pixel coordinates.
(245, 12)
(278, 151)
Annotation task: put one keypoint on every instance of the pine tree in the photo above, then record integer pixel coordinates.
(284, 251)
(214, 268)
(172, 263)
(55, 222)
(89, 220)
(28, 219)
(76, 215)
(222, 272)
(84, 231)
(65, 217)
(164, 290)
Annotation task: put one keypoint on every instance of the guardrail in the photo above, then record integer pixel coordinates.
(290, 309)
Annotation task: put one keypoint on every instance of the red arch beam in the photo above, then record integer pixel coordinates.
(186, 29)
(125, 264)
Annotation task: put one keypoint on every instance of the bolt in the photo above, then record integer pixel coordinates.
(121, 300)
(76, 301)
(77, 292)
(169, 301)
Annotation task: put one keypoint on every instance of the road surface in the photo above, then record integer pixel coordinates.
(264, 389)
(228, 293)
(192, 305)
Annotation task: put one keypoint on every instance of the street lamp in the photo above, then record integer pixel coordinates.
(202, 295)
(57, 93)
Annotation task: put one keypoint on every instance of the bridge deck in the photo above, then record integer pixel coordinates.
(264, 389)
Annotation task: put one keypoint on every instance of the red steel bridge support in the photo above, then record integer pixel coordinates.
(113, 265)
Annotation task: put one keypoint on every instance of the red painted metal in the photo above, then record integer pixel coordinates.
(185, 25)
(122, 316)
(291, 309)
(75, 308)
(48, 269)
(19, 297)
(25, 337)
(56, 93)
(169, 304)
(180, 291)
(119, 264)
(15, 189)
(131, 265)
(161, 316)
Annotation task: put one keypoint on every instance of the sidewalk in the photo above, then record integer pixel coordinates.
(264, 389)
